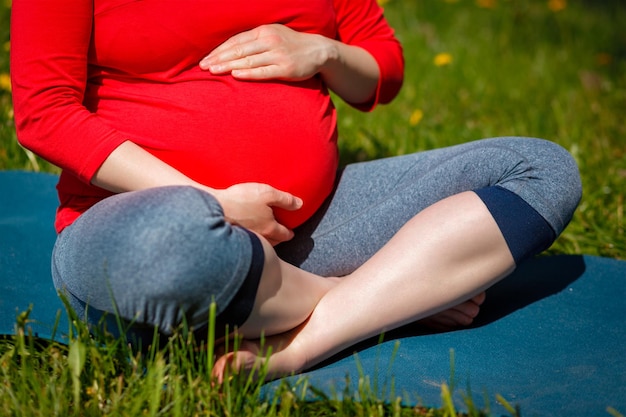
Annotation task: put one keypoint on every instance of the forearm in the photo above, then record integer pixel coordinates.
(350, 71)
(276, 52)
(131, 168)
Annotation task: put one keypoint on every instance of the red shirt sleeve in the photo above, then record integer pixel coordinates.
(362, 23)
(49, 54)
(50, 50)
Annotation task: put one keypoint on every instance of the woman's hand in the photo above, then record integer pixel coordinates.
(276, 52)
(270, 52)
(250, 205)
(130, 167)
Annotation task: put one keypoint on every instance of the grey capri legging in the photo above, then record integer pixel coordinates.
(159, 257)
(374, 199)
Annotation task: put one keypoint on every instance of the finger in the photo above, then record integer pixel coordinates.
(258, 66)
(241, 56)
(279, 234)
(268, 72)
(240, 38)
(284, 200)
(237, 47)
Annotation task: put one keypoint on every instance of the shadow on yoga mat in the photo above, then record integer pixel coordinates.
(537, 279)
(551, 337)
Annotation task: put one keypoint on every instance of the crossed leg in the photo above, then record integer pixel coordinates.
(286, 296)
(447, 254)
(408, 238)
(415, 244)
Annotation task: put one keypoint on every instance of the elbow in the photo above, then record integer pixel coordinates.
(392, 74)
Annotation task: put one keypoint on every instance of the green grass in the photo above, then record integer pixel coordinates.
(101, 376)
(517, 68)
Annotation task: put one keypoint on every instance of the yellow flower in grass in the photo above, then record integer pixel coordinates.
(7, 46)
(382, 2)
(486, 4)
(557, 5)
(416, 117)
(5, 82)
(442, 59)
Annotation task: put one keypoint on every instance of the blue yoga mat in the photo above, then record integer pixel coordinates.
(28, 203)
(550, 338)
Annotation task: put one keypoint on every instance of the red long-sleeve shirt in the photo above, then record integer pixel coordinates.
(88, 75)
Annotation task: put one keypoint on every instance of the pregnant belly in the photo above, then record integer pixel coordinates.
(226, 132)
(304, 167)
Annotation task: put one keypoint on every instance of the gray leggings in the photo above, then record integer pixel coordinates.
(159, 256)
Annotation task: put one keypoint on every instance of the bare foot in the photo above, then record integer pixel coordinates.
(280, 355)
(458, 316)
(273, 357)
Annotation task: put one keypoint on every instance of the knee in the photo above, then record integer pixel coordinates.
(550, 181)
(167, 231)
(558, 158)
(561, 169)
(153, 254)
(184, 256)
(167, 221)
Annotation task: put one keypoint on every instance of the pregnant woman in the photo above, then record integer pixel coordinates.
(198, 148)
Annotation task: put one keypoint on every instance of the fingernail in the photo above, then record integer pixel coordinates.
(204, 64)
(216, 68)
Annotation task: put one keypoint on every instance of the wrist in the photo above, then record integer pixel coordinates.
(330, 58)
(213, 191)
(350, 71)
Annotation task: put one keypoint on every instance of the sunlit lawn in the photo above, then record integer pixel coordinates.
(550, 69)
(514, 68)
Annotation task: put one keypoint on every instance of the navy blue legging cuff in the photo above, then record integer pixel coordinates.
(526, 232)
(239, 309)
